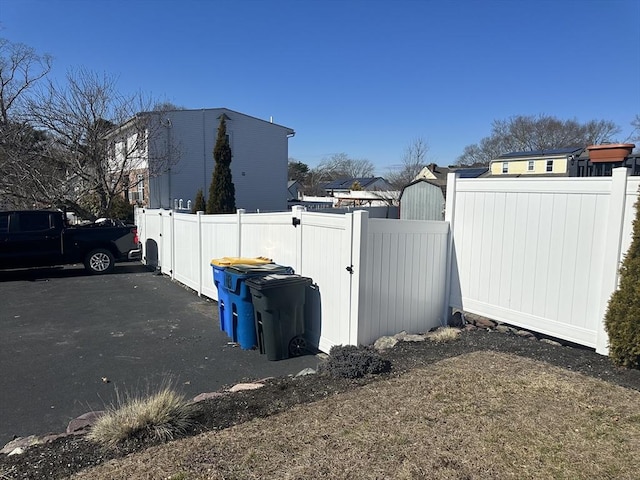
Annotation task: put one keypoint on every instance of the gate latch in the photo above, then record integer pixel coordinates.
(350, 269)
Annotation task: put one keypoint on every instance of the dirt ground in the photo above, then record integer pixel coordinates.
(69, 455)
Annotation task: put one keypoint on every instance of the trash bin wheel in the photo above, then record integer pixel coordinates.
(297, 346)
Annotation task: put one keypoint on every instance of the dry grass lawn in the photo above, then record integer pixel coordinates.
(482, 415)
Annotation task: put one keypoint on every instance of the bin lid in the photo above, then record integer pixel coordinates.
(228, 261)
(267, 268)
(277, 280)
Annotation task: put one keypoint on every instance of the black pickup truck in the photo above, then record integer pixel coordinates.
(42, 238)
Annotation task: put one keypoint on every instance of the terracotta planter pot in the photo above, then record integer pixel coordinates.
(612, 152)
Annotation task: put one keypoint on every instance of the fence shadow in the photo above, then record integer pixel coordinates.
(151, 254)
(40, 274)
(454, 298)
(312, 317)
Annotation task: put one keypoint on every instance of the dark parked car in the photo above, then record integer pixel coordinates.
(42, 238)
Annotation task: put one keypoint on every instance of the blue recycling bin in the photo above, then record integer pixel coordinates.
(223, 299)
(239, 300)
(219, 265)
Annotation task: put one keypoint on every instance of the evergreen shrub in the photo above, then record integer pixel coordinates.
(622, 320)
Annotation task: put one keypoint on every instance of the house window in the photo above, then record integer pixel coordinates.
(141, 141)
(505, 167)
(549, 165)
(140, 188)
(530, 166)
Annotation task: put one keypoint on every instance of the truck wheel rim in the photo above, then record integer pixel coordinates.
(100, 262)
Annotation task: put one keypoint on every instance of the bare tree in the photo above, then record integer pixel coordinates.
(313, 182)
(341, 165)
(634, 136)
(20, 145)
(413, 161)
(526, 133)
(99, 137)
(167, 106)
(20, 69)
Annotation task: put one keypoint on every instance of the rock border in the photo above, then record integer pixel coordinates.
(465, 321)
(82, 424)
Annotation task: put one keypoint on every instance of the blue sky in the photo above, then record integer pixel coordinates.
(361, 77)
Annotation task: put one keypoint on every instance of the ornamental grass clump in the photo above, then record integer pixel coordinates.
(622, 320)
(444, 334)
(160, 417)
(350, 361)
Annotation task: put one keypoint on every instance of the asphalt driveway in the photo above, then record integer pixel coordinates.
(69, 342)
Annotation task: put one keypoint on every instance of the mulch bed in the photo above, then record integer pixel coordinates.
(67, 455)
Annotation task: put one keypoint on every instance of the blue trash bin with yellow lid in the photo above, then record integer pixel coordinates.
(219, 265)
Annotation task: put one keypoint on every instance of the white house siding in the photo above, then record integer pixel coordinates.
(259, 164)
(422, 201)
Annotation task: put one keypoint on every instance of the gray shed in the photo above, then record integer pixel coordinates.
(422, 200)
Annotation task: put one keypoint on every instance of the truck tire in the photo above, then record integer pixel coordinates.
(99, 261)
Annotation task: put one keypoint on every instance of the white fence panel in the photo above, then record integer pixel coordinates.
(150, 229)
(270, 235)
(219, 239)
(187, 262)
(403, 284)
(530, 252)
(325, 256)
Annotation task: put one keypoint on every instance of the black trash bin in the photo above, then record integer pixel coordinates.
(278, 303)
(239, 300)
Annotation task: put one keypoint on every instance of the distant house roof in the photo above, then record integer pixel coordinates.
(442, 185)
(347, 183)
(293, 188)
(440, 174)
(471, 172)
(551, 152)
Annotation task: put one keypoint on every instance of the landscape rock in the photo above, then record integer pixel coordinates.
(21, 443)
(207, 395)
(82, 423)
(550, 342)
(384, 343)
(525, 333)
(415, 338)
(305, 372)
(246, 386)
(483, 322)
(503, 329)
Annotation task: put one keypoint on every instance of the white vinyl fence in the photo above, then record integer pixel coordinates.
(540, 253)
(373, 277)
